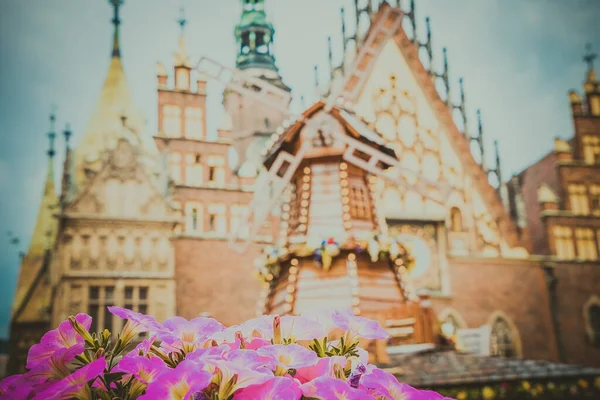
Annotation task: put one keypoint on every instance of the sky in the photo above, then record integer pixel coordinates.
(518, 58)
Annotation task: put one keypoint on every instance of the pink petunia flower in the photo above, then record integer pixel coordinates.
(323, 367)
(63, 337)
(232, 376)
(383, 384)
(136, 323)
(322, 317)
(326, 388)
(250, 359)
(276, 388)
(177, 333)
(292, 356)
(16, 387)
(144, 369)
(292, 328)
(358, 326)
(180, 383)
(55, 367)
(74, 385)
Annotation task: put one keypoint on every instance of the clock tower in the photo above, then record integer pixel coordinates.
(252, 122)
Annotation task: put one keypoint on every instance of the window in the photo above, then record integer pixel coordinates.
(216, 170)
(594, 316)
(586, 245)
(193, 123)
(100, 297)
(359, 202)
(578, 198)
(245, 43)
(217, 221)
(456, 223)
(238, 213)
(193, 217)
(563, 241)
(595, 199)
(172, 121)
(136, 298)
(502, 339)
(193, 170)
(591, 316)
(591, 149)
(262, 46)
(451, 322)
(175, 161)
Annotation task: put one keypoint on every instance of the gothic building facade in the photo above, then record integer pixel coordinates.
(143, 220)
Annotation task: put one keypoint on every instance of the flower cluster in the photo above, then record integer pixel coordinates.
(269, 357)
(378, 247)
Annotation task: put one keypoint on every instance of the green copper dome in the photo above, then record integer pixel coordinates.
(254, 35)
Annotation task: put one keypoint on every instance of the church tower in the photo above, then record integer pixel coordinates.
(252, 122)
(115, 220)
(30, 313)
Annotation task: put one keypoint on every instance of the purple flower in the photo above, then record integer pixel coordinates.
(16, 387)
(250, 359)
(144, 369)
(276, 388)
(74, 385)
(327, 388)
(232, 376)
(358, 326)
(63, 337)
(292, 356)
(179, 383)
(55, 367)
(181, 334)
(354, 377)
(136, 323)
(323, 367)
(383, 384)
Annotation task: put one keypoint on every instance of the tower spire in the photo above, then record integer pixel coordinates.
(181, 57)
(116, 22)
(589, 58)
(254, 35)
(51, 153)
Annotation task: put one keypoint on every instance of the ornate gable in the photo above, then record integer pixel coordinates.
(400, 97)
(122, 189)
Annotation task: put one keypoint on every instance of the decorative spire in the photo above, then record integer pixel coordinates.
(330, 56)
(51, 136)
(181, 57)
(182, 21)
(444, 77)
(480, 139)
(66, 178)
(116, 22)
(589, 58)
(462, 108)
(498, 165)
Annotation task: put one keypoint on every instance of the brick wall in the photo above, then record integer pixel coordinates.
(211, 277)
(576, 283)
(515, 287)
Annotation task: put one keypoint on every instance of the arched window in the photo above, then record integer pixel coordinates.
(456, 221)
(450, 322)
(504, 338)
(591, 315)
